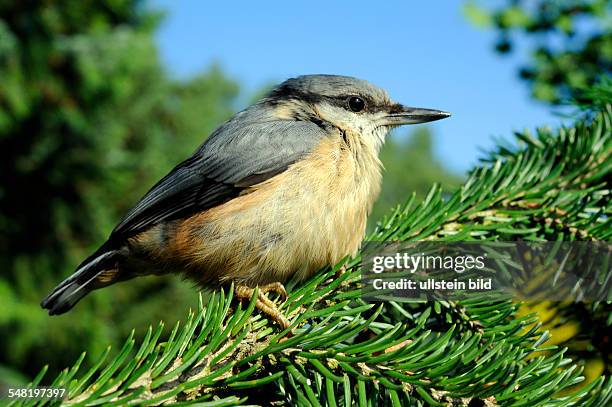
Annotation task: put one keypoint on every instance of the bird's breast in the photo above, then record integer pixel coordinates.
(309, 216)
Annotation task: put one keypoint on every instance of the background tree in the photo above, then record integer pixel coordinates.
(89, 120)
(570, 40)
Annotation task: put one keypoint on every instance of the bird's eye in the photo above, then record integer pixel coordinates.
(356, 104)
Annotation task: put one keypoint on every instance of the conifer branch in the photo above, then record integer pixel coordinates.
(344, 351)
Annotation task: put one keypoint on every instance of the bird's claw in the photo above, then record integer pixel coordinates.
(277, 288)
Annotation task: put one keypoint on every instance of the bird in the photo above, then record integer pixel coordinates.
(280, 190)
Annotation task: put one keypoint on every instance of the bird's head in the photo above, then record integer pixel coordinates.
(350, 104)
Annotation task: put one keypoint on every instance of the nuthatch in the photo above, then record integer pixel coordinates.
(280, 190)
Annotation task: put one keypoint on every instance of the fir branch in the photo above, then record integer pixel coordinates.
(344, 351)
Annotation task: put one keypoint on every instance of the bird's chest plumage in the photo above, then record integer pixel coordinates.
(332, 193)
(309, 216)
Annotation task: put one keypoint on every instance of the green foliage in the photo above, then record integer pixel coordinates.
(344, 351)
(572, 41)
(89, 121)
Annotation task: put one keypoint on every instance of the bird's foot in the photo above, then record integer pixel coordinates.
(277, 288)
(264, 304)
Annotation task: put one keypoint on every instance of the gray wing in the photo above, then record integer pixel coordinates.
(244, 151)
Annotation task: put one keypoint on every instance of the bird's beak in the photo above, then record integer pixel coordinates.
(400, 115)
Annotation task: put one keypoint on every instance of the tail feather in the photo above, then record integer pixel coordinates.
(82, 282)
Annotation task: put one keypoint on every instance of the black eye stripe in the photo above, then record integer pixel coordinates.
(284, 93)
(340, 101)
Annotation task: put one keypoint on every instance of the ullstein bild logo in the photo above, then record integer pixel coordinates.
(561, 271)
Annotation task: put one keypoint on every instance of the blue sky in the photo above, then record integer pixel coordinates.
(424, 53)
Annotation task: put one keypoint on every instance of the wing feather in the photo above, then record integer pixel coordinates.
(248, 149)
